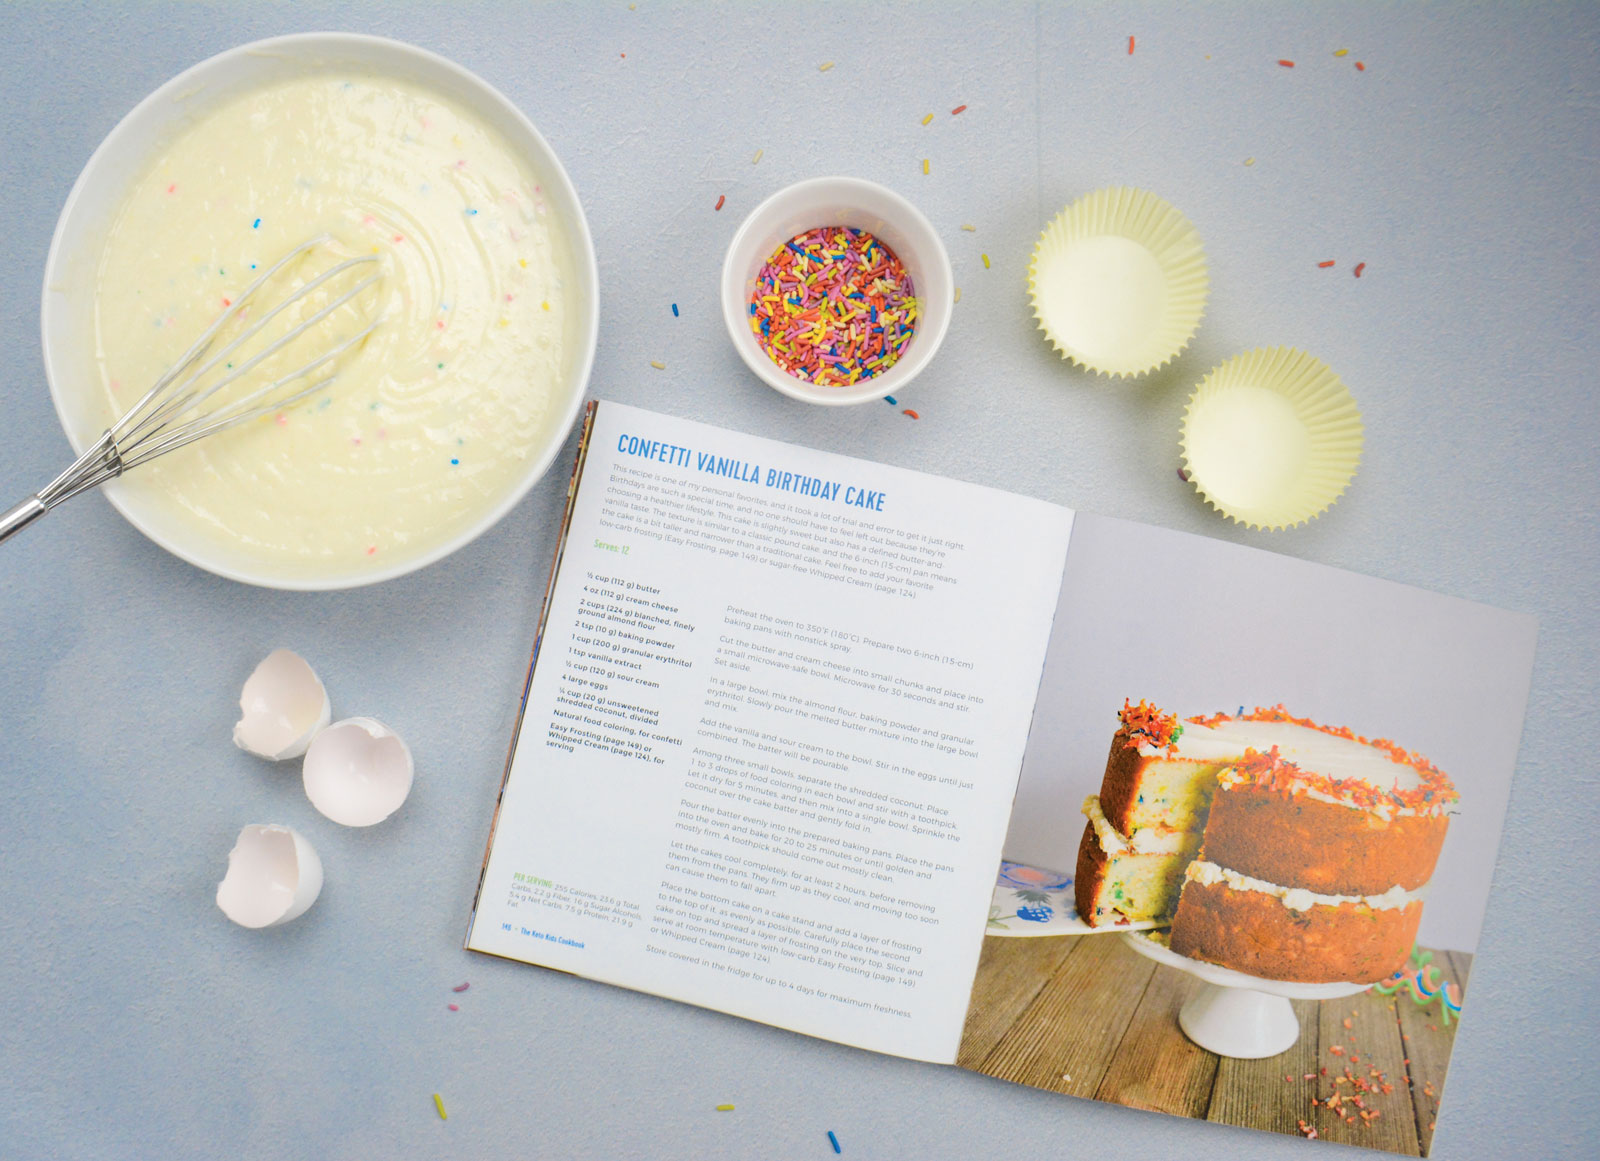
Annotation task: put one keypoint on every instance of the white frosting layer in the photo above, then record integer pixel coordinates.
(1296, 898)
(1340, 758)
(1147, 841)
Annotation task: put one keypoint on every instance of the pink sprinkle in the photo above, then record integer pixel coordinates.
(283, 420)
(356, 439)
(367, 219)
(372, 550)
(510, 298)
(454, 1007)
(116, 384)
(173, 188)
(461, 987)
(462, 164)
(440, 324)
(399, 237)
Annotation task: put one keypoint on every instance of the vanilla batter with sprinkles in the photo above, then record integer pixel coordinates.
(432, 421)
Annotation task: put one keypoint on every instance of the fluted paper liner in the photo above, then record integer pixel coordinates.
(1118, 281)
(1272, 437)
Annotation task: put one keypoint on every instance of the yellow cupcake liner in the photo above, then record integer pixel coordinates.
(1118, 282)
(1271, 438)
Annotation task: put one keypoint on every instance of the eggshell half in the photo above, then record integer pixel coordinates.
(273, 876)
(357, 772)
(282, 707)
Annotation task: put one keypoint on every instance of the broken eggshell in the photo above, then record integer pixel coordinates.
(282, 707)
(357, 772)
(273, 876)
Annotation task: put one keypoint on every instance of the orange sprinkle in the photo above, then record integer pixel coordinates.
(1288, 64)
(1325, 265)
(908, 410)
(1130, 46)
(958, 110)
(372, 550)
(720, 200)
(1360, 67)
(1360, 266)
(227, 302)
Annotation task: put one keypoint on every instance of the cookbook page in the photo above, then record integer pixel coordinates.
(772, 732)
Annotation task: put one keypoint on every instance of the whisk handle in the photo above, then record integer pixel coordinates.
(22, 515)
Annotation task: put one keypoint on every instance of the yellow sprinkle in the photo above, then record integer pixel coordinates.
(985, 258)
(1341, 52)
(969, 229)
(505, 322)
(924, 165)
(439, 1104)
(824, 66)
(1249, 161)
(658, 366)
(958, 294)
(927, 119)
(756, 160)
(724, 1108)
(524, 262)
(546, 305)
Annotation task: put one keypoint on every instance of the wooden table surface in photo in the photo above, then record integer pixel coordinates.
(1090, 1017)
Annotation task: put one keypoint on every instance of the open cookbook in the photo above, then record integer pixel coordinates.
(812, 741)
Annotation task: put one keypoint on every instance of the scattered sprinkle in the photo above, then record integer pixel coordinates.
(283, 420)
(721, 198)
(438, 1103)
(173, 188)
(1183, 475)
(928, 119)
(1249, 161)
(1360, 266)
(834, 1141)
(472, 212)
(674, 310)
(756, 160)
(523, 262)
(833, 306)
(455, 463)
(958, 110)
(724, 1108)
(1130, 46)
(544, 305)
(890, 400)
(227, 302)
(958, 294)
(1341, 52)
(1288, 64)
(969, 229)
(911, 413)
(1360, 67)
(257, 225)
(454, 1007)
(658, 366)
(824, 66)
(924, 165)
(399, 237)
(372, 550)
(1325, 265)
(985, 258)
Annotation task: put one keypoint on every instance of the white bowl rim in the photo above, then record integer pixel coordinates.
(582, 251)
(734, 304)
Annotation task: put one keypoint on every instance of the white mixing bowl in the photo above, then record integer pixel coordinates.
(67, 311)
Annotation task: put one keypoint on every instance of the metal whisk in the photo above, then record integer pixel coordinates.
(171, 413)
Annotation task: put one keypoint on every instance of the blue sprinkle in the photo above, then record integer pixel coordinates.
(674, 310)
(890, 400)
(472, 211)
(252, 265)
(257, 226)
(834, 1141)
(455, 461)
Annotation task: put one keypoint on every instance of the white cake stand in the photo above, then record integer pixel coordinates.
(1238, 1015)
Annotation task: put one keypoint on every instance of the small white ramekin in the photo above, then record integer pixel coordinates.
(67, 310)
(860, 205)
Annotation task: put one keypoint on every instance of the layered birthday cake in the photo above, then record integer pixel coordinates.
(1273, 845)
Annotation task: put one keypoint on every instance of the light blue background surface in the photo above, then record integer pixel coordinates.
(1462, 166)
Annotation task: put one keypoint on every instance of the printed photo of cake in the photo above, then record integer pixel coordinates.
(1275, 846)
